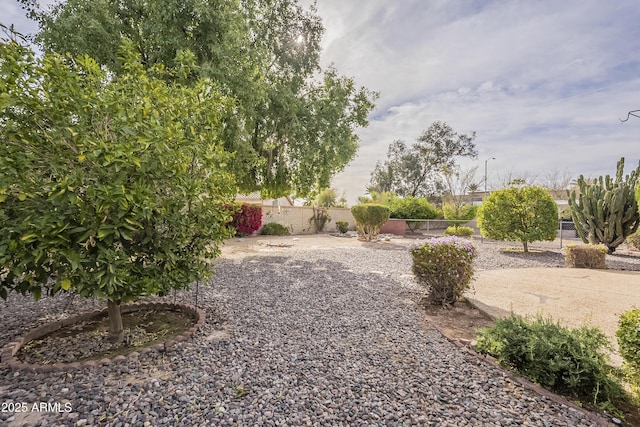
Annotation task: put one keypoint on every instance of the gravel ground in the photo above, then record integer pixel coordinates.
(307, 337)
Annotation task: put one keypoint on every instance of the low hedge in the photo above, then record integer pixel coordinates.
(585, 256)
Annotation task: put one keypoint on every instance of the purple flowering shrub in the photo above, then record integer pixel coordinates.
(444, 265)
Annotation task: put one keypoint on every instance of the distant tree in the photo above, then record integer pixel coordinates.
(459, 213)
(109, 187)
(385, 198)
(557, 182)
(417, 170)
(327, 198)
(292, 125)
(524, 214)
(456, 200)
(413, 208)
(510, 178)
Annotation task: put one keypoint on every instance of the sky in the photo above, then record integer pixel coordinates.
(543, 84)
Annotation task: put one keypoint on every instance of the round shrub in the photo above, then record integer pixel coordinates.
(444, 265)
(274, 229)
(342, 226)
(369, 218)
(459, 231)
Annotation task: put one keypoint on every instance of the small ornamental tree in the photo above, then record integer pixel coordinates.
(369, 218)
(109, 187)
(526, 214)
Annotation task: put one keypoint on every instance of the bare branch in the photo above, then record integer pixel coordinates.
(633, 113)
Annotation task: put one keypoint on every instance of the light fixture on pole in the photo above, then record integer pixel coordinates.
(485, 173)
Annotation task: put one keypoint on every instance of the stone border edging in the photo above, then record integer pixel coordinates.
(465, 345)
(8, 352)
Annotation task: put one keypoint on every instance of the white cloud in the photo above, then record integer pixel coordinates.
(542, 83)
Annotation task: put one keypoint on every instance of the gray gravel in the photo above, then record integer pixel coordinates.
(313, 337)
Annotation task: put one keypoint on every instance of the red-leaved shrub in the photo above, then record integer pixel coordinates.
(247, 219)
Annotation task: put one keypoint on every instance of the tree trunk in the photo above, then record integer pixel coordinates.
(526, 246)
(116, 333)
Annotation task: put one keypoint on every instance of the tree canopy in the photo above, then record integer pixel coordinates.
(292, 126)
(417, 170)
(109, 187)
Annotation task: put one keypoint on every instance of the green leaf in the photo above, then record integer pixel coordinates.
(105, 231)
(66, 284)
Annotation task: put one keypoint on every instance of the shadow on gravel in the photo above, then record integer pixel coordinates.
(534, 255)
(383, 246)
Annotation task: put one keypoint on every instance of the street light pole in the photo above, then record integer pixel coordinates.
(485, 173)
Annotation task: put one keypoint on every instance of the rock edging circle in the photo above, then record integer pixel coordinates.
(8, 352)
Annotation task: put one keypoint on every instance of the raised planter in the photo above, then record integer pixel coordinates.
(394, 226)
(7, 355)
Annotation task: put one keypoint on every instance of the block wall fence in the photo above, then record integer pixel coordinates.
(297, 218)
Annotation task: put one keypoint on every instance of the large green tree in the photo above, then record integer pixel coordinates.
(293, 125)
(524, 214)
(109, 187)
(417, 170)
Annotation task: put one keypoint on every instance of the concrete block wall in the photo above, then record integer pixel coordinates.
(297, 218)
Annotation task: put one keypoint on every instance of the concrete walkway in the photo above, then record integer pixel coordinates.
(572, 296)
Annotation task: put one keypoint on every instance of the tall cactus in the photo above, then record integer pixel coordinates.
(606, 211)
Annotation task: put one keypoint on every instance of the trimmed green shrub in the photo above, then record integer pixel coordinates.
(369, 218)
(634, 240)
(342, 226)
(459, 231)
(274, 229)
(568, 361)
(628, 335)
(413, 208)
(585, 256)
(444, 265)
(524, 214)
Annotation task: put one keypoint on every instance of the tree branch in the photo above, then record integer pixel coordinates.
(633, 113)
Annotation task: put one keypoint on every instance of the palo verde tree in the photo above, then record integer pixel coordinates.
(524, 214)
(293, 124)
(110, 187)
(417, 170)
(606, 211)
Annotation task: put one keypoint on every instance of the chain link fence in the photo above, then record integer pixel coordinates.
(435, 227)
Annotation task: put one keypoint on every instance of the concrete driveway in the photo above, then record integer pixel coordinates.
(572, 296)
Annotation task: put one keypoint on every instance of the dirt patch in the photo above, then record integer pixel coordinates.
(458, 322)
(89, 339)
